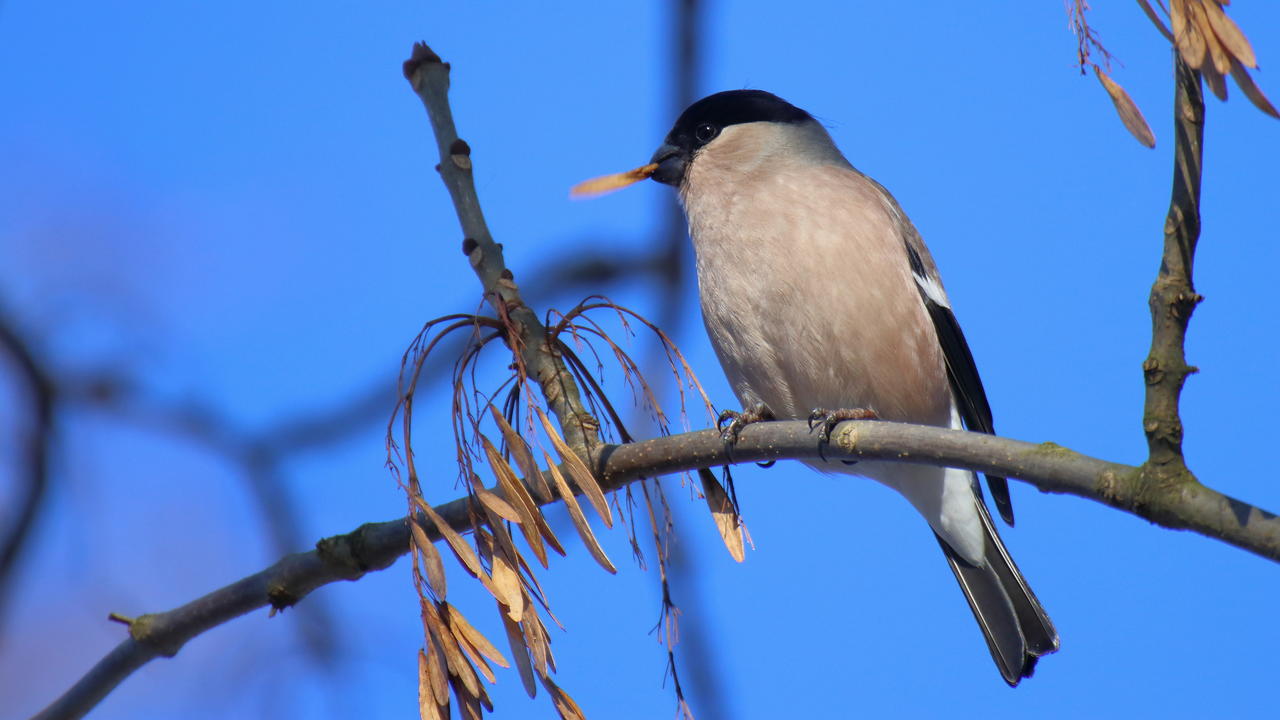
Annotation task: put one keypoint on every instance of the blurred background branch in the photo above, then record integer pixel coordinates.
(259, 454)
(36, 454)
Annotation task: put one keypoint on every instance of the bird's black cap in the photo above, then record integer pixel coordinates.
(734, 107)
(702, 121)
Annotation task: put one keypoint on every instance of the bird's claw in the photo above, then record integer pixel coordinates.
(826, 420)
(737, 420)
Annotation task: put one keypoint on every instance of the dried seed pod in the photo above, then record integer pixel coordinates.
(609, 183)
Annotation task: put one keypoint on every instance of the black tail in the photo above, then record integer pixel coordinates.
(1017, 629)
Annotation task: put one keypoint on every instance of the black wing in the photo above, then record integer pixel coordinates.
(975, 411)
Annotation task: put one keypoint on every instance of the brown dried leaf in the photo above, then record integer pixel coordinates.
(484, 541)
(565, 705)
(503, 547)
(484, 699)
(1216, 58)
(468, 701)
(477, 661)
(546, 641)
(1217, 83)
(1155, 19)
(579, 520)
(500, 541)
(1230, 35)
(1128, 110)
(727, 521)
(578, 470)
(460, 548)
(500, 507)
(531, 584)
(1186, 33)
(547, 533)
(453, 656)
(536, 640)
(436, 672)
(508, 585)
(460, 669)
(536, 514)
(515, 639)
(1252, 91)
(431, 559)
(428, 709)
(609, 183)
(477, 639)
(524, 458)
(518, 494)
(1177, 20)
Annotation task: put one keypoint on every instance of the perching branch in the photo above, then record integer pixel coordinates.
(429, 76)
(376, 546)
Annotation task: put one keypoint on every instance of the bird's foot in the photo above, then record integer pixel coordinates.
(825, 420)
(730, 423)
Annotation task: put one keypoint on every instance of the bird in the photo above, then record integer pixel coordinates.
(818, 293)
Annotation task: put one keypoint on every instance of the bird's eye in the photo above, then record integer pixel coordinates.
(706, 132)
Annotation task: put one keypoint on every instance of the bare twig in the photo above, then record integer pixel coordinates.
(1173, 297)
(429, 77)
(375, 546)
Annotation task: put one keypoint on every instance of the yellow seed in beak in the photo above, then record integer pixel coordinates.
(609, 183)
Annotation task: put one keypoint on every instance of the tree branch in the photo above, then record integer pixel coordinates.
(1166, 483)
(37, 451)
(429, 77)
(1173, 297)
(375, 546)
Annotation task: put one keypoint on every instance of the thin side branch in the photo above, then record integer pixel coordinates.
(376, 546)
(1173, 299)
(1173, 296)
(429, 76)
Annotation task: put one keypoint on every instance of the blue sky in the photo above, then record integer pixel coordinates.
(235, 206)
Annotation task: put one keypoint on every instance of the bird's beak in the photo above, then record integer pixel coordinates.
(671, 162)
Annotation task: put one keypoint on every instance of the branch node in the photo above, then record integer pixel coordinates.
(145, 632)
(847, 438)
(122, 619)
(421, 56)
(1108, 486)
(341, 554)
(460, 154)
(1053, 448)
(280, 597)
